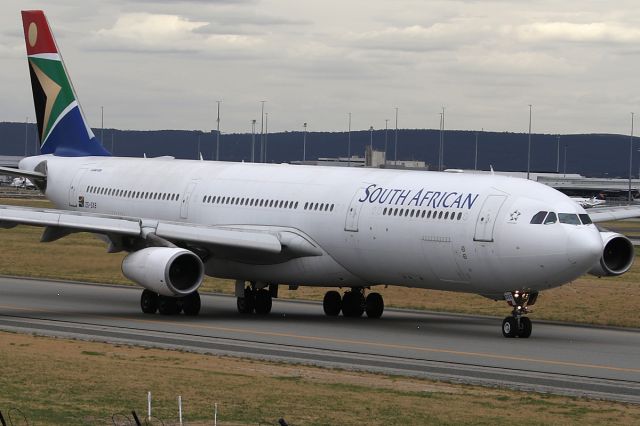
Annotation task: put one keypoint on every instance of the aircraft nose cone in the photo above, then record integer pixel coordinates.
(584, 247)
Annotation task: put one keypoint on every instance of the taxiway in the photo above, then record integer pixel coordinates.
(564, 359)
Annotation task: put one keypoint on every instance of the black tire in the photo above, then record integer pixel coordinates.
(525, 328)
(246, 304)
(509, 327)
(168, 305)
(263, 302)
(374, 305)
(149, 302)
(332, 303)
(191, 304)
(352, 304)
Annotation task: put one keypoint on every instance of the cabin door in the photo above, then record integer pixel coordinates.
(487, 218)
(186, 199)
(353, 213)
(74, 189)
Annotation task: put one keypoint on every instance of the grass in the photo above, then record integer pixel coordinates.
(82, 257)
(66, 383)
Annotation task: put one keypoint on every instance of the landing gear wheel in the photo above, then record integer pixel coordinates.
(509, 327)
(332, 303)
(353, 304)
(191, 304)
(149, 302)
(263, 302)
(525, 328)
(168, 305)
(246, 304)
(374, 305)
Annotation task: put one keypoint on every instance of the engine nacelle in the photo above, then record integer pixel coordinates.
(165, 270)
(617, 257)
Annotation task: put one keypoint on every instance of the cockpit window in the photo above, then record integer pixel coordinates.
(538, 218)
(586, 220)
(569, 218)
(551, 218)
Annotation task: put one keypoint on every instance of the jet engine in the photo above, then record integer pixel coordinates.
(617, 257)
(165, 270)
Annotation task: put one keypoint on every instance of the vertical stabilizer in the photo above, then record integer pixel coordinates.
(62, 127)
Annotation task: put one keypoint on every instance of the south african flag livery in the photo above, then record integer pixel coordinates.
(62, 127)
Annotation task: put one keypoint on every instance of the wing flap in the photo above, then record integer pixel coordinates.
(236, 238)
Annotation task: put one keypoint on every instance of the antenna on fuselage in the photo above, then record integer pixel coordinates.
(491, 167)
(201, 159)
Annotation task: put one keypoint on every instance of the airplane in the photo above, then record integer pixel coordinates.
(22, 183)
(588, 203)
(269, 225)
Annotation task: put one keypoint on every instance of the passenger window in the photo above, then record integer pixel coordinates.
(296, 206)
(538, 218)
(446, 215)
(551, 218)
(332, 207)
(459, 215)
(440, 215)
(586, 220)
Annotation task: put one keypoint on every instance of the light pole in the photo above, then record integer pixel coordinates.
(558, 155)
(253, 141)
(266, 134)
(102, 125)
(198, 153)
(261, 130)
(475, 161)
(26, 134)
(371, 137)
(529, 146)
(630, 157)
(218, 133)
(565, 161)
(349, 143)
(395, 145)
(304, 143)
(386, 138)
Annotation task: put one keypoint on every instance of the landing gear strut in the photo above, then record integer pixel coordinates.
(253, 299)
(151, 302)
(353, 303)
(518, 325)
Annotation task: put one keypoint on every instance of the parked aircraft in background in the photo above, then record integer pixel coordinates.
(266, 225)
(587, 203)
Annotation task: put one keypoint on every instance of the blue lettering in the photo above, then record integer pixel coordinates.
(375, 194)
(434, 200)
(444, 201)
(403, 197)
(395, 192)
(416, 198)
(427, 195)
(469, 201)
(383, 197)
(366, 193)
(457, 201)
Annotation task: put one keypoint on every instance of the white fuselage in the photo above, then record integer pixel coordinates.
(446, 231)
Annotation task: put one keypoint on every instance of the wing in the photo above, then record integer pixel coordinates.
(244, 243)
(604, 214)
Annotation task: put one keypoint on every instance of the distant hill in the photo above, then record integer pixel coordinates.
(589, 154)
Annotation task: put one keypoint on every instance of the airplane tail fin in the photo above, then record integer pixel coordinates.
(62, 126)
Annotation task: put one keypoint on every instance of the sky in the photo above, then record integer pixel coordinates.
(163, 64)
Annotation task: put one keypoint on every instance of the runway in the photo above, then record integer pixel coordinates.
(562, 359)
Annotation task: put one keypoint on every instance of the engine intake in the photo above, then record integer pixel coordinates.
(617, 256)
(165, 270)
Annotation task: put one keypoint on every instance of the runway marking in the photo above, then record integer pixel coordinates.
(348, 341)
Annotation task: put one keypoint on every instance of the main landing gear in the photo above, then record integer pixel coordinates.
(151, 302)
(252, 298)
(353, 303)
(518, 325)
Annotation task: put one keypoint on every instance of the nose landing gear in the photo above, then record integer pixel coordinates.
(518, 325)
